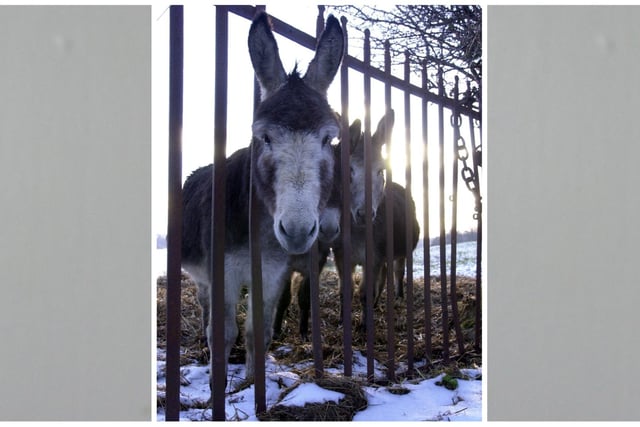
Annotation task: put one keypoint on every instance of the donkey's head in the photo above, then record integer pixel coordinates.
(292, 132)
(378, 139)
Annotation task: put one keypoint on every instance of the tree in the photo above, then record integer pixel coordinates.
(447, 37)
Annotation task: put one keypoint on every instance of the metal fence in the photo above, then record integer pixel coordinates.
(448, 279)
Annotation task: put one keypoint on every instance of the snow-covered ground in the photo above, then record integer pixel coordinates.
(425, 401)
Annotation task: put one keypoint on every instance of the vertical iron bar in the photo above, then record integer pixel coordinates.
(256, 275)
(257, 295)
(455, 123)
(319, 23)
(408, 214)
(478, 320)
(426, 244)
(316, 336)
(391, 345)
(314, 273)
(174, 230)
(257, 96)
(478, 216)
(217, 316)
(368, 279)
(443, 248)
(479, 247)
(347, 286)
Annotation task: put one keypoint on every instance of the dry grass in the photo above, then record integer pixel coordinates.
(194, 348)
(344, 410)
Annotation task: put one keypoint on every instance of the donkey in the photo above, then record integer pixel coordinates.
(398, 195)
(301, 264)
(329, 231)
(293, 165)
(380, 191)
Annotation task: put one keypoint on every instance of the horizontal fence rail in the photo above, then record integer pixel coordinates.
(448, 279)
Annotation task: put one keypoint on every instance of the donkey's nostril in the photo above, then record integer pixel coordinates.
(313, 229)
(282, 229)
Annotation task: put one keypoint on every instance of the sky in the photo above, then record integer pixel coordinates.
(199, 36)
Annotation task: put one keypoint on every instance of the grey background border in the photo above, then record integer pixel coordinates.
(75, 208)
(562, 213)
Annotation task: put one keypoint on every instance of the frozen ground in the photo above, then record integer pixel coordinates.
(425, 401)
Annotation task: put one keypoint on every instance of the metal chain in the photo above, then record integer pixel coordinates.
(469, 177)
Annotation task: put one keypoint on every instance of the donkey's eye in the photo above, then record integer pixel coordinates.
(381, 172)
(266, 139)
(326, 140)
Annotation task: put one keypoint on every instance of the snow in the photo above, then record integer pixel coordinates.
(310, 393)
(425, 400)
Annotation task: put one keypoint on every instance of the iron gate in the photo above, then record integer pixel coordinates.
(448, 280)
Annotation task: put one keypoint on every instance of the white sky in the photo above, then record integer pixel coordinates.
(199, 50)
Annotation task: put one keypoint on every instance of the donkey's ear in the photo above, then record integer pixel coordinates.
(265, 58)
(325, 63)
(385, 127)
(355, 134)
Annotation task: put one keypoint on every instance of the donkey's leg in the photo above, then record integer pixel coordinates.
(377, 268)
(283, 306)
(304, 303)
(204, 294)
(380, 282)
(231, 297)
(304, 296)
(273, 277)
(338, 258)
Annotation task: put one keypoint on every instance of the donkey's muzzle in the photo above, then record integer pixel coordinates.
(329, 225)
(296, 237)
(360, 217)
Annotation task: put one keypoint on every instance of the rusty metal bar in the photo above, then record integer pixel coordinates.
(426, 243)
(455, 123)
(316, 336)
(368, 280)
(314, 273)
(347, 285)
(408, 216)
(174, 230)
(478, 320)
(443, 243)
(390, 318)
(257, 96)
(217, 317)
(319, 23)
(256, 276)
(257, 295)
(478, 216)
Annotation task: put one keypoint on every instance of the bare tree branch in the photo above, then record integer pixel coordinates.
(446, 37)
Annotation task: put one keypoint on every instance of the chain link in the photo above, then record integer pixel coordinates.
(469, 177)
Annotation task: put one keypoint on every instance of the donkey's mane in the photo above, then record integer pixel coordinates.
(296, 106)
(295, 73)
